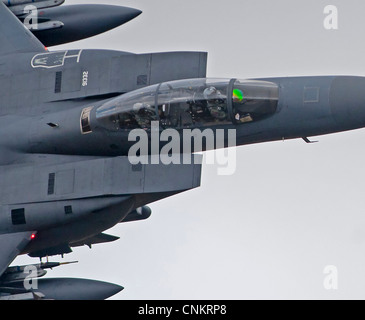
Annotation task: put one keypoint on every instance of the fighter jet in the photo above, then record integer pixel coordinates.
(69, 120)
(54, 201)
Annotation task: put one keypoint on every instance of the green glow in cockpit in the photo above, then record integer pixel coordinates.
(238, 94)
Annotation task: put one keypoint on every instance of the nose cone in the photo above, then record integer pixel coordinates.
(347, 101)
(82, 21)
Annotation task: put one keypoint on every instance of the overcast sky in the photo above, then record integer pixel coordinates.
(290, 209)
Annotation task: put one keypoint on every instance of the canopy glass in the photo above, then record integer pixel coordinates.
(191, 103)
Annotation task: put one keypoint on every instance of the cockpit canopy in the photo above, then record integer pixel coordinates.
(191, 103)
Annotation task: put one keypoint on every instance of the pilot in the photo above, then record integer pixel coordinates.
(238, 97)
(210, 93)
(142, 114)
(215, 103)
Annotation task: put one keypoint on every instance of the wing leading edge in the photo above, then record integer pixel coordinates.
(14, 37)
(11, 245)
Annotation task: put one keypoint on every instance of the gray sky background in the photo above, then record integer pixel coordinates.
(290, 209)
